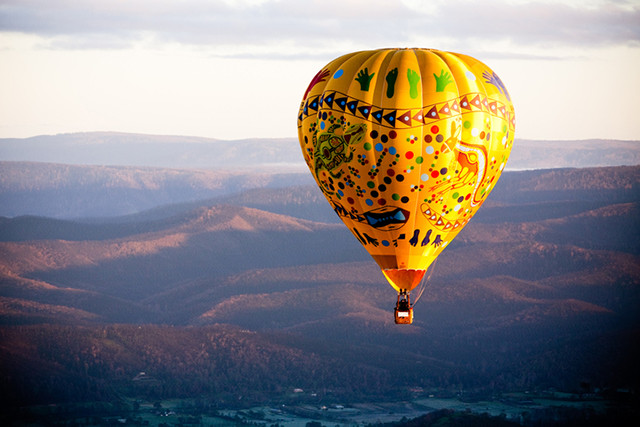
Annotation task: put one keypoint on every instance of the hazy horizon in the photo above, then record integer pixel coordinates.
(212, 69)
(205, 139)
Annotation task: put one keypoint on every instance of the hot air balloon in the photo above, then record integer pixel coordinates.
(406, 145)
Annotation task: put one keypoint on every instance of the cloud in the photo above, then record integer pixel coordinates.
(542, 24)
(289, 27)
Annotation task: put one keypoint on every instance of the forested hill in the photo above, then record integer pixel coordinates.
(73, 192)
(539, 290)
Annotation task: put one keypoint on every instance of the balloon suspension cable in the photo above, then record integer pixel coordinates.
(424, 283)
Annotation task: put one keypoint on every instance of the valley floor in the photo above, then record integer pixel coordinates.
(522, 408)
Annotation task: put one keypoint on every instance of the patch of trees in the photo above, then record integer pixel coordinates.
(53, 363)
(44, 364)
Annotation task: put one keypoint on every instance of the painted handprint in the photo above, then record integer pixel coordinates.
(495, 80)
(437, 241)
(364, 79)
(319, 77)
(391, 82)
(425, 241)
(400, 237)
(371, 240)
(443, 80)
(414, 239)
(413, 78)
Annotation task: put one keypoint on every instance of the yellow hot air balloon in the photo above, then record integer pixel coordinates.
(406, 144)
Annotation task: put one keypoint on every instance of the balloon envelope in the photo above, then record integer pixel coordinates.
(406, 145)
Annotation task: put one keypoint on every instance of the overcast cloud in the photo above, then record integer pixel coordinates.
(291, 27)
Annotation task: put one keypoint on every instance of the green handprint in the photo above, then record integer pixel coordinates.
(364, 79)
(391, 82)
(443, 80)
(413, 78)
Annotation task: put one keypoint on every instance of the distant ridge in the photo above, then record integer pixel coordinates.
(537, 154)
(77, 191)
(127, 149)
(165, 151)
(134, 194)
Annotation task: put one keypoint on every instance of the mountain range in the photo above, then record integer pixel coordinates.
(79, 191)
(126, 149)
(82, 192)
(165, 151)
(539, 290)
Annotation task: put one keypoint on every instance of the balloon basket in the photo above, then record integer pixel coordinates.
(403, 312)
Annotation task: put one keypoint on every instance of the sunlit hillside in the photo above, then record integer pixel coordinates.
(539, 290)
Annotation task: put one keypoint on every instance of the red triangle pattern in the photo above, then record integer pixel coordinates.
(438, 221)
(416, 117)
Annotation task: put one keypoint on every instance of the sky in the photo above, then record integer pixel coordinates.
(238, 69)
